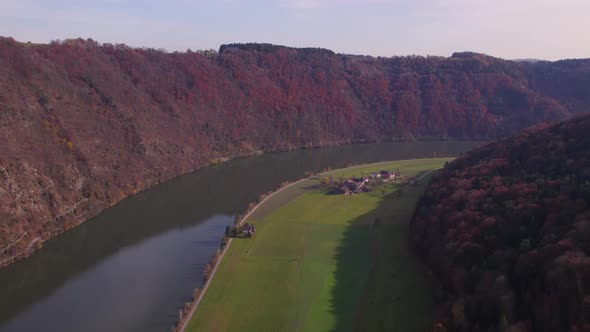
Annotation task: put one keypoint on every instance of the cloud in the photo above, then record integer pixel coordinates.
(316, 4)
(31, 10)
(300, 4)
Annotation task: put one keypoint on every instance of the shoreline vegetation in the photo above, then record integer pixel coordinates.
(97, 207)
(313, 183)
(169, 114)
(211, 266)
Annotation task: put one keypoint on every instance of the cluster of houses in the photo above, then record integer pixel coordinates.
(352, 185)
(383, 175)
(360, 185)
(243, 230)
(247, 229)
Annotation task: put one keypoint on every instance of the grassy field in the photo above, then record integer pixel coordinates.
(324, 262)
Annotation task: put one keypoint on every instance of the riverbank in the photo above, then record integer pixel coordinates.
(71, 216)
(218, 258)
(309, 264)
(186, 217)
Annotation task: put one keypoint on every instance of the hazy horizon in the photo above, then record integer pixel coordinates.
(529, 29)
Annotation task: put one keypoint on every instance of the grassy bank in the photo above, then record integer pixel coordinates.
(324, 262)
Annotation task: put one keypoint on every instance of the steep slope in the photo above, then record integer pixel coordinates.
(566, 81)
(84, 125)
(506, 231)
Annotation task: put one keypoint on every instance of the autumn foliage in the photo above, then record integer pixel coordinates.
(84, 124)
(506, 230)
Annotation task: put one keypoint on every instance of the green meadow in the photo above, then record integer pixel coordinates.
(321, 262)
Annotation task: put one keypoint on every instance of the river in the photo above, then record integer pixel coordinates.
(132, 267)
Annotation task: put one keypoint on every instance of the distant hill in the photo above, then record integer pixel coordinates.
(527, 60)
(506, 231)
(84, 124)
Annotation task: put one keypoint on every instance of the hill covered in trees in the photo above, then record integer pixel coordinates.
(83, 125)
(506, 230)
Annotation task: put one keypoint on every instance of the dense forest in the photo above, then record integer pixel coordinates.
(83, 124)
(506, 229)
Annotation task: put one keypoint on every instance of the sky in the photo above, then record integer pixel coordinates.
(510, 29)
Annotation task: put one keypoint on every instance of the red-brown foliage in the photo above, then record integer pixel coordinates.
(507, 226)
(83, 125)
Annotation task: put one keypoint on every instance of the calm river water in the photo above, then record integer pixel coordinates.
(134, 265)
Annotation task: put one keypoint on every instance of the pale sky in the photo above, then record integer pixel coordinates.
(511, 29)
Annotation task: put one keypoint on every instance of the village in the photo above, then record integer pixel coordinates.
(354, 185)
(348, 187)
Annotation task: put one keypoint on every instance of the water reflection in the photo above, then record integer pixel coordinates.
(131, 267)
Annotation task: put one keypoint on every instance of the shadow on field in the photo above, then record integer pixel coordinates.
(380, 283)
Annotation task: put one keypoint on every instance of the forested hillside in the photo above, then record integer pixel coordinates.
(83, 125)
(506, 231)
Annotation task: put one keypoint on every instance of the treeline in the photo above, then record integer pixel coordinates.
(269, 48)
(506, 229)
(85, 124)
(231, 231)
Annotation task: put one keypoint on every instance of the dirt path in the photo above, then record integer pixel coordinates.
(13, 243)
(188, 317)
(425, 174)
(196, 303)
